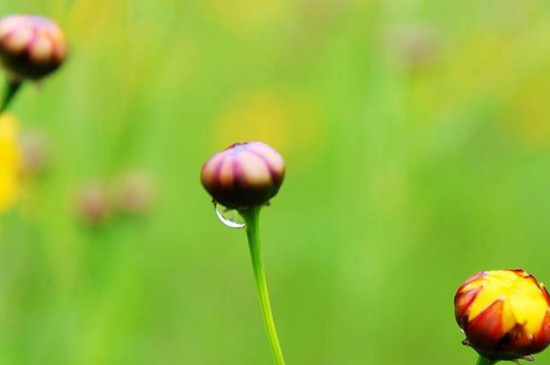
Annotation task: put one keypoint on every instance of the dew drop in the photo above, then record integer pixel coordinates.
(229, 217)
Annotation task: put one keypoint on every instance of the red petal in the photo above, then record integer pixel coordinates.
(520, 272)
(545, 294)
(485, 330)
(463, 301)
(475, 277)
(542, 337)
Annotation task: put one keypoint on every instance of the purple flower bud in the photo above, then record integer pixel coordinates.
(31, 46)
(244, 175)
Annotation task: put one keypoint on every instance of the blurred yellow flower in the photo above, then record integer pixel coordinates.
(9, 161)
(245, 15)
(291, 123)
(528, 112)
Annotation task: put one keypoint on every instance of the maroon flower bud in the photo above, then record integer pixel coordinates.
(31, 47)
(244, 175)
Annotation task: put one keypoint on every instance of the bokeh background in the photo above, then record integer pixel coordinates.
(417, 141)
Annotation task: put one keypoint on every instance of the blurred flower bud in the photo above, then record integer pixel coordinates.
(244, 175)
(31, 47)
(414, 47)
(35, 153)
(505, 314)
(134, 192)
(93, 204)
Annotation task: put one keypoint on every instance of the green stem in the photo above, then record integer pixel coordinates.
(12, 87)
(485, 361)
(251, 218)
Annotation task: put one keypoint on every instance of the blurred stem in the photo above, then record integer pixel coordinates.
(251, 218)
(11, 89)
(485, 361)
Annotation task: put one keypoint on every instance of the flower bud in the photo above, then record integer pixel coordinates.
(414, 47)
(505, 314)
(244, 175)
(35, 150)
(134, 192)
(93, 204)
(31, 46)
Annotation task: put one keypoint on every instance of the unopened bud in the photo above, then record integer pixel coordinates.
(31, 46)
(35, 153)
(134, 192)
(414, 47)
(505, 314)
(244, 175)
(93, 204)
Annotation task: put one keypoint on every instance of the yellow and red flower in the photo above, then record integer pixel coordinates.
(505, 314)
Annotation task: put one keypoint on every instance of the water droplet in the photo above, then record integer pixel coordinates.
(229, 217)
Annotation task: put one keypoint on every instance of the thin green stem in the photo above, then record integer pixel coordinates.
(251, 218)
(485, 361)
(12, 87)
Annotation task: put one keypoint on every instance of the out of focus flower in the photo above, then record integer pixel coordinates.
(9, 161)
(414, 47)
(246, 15)
(35, 153)
(505, 314)
(323, 11)
(526, 111)
(260, 114)
(244, 175)
(293, 121)
(31, 47)
(134, 192)
(93, 204)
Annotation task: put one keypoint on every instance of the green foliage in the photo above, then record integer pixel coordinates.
(417, 139)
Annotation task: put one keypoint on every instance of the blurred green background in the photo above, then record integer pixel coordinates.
(417, 140)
